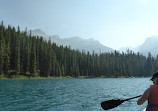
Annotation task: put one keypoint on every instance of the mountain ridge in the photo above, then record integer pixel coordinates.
(149, 45)
(75, 42)
(90, 45)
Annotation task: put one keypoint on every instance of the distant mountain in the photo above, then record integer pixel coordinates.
(150, 45)
(38, 32)
(74, 42)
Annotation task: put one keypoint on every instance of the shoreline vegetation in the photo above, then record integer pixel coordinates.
(23, 56)
(21, 77)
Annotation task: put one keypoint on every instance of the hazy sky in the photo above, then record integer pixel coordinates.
(115, 23)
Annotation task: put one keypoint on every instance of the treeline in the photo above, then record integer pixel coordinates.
(22, 54)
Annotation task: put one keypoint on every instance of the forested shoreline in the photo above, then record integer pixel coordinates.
(22, 54)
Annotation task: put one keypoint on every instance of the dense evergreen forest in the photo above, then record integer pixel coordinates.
(22, 54)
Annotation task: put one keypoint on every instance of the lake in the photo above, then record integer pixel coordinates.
(70, 94)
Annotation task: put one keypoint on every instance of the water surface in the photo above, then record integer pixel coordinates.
(70, 94)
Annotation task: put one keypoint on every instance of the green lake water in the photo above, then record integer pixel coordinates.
(70, 94)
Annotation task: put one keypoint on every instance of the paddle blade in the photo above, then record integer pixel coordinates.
(111, 104)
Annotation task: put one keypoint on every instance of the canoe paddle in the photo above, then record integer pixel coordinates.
(106, 105)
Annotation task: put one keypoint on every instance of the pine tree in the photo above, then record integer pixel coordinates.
(26, 55)
(53, 61)
(6, 67)
(49, 58)
(149, 65)
(30, 55)
(2, 46)
(33, 69)
(17, 52)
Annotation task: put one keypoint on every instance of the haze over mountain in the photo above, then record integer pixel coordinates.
(75, 42)
(150, 45)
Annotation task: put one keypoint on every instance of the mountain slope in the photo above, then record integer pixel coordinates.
(150, 45)
(75, 42)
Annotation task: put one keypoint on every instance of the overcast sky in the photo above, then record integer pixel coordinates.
(115, 23)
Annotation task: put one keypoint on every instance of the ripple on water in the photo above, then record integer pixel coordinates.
(70, 94)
